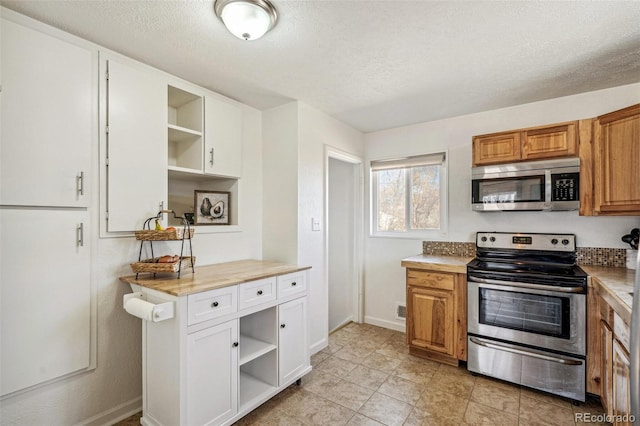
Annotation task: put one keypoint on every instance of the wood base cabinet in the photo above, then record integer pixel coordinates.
(436, 315)
(225, 352)
(615, 389)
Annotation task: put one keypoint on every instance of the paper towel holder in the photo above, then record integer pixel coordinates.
(161, 311)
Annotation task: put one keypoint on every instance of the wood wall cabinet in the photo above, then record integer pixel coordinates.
(536, 143)
(436, 315)
(616, 155)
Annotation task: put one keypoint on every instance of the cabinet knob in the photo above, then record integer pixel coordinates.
(235, 344)
(293, 284)
(214, 304)
(259, 292)
(282, 326)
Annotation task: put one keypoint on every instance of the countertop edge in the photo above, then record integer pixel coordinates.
(453, 264)
(239, 278)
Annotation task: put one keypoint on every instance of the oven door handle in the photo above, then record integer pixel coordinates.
(497, 346)
(528, 285)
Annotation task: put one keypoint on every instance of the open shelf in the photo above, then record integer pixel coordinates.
(180, 134)
(252, 389)
(251, 348)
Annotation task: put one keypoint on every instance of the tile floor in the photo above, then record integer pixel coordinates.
(367, 377)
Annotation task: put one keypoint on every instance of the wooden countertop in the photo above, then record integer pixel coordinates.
(213, 276)
(614, 285)
(455, 264)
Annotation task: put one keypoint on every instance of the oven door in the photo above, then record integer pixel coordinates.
(543, 316)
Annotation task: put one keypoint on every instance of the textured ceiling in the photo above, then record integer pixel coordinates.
(374, 64)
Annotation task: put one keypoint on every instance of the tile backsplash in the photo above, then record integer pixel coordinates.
(593, 256)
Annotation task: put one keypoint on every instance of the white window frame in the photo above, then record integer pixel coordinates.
(407, 163)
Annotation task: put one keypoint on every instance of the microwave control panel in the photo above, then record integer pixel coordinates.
(565, 187)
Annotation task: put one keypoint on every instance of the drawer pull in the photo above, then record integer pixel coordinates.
(235, 344)
(259, 292)
(282, 326)
(293, 284)
(214, 305)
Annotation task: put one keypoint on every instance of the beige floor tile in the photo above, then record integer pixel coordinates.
(498, 397)
(386, 410)
(482, 415)
(360, 420)
(538, 412)
(456, 384)
(416, 370)
(381, 362)
(315, 410)
(366, 377)
(365, 344)
(353, 353)
(336, 366)
(497, 383)
(318, 357)
(392, 350)
(332, 347)
(401, 389)
(320, 382)
(435, 404)
(349, 395)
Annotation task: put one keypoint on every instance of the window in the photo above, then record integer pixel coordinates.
(409, 196)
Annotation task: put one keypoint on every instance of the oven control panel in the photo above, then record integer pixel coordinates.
(522, 241)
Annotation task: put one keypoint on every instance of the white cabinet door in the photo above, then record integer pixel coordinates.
(136, 144)
(212, 374)
(45, 295)
(49, 116)
(223, 137)
(293, 351)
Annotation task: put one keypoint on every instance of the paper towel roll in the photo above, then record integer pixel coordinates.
(140, 308)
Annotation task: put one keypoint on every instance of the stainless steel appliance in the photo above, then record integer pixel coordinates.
(527, 311)
(532, 185)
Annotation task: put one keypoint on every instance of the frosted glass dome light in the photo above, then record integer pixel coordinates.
(246, 19)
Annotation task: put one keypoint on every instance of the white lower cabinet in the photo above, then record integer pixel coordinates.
(212, 380)
(292, 342)
(212, 364)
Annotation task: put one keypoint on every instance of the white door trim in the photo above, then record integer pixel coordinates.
(331, 152)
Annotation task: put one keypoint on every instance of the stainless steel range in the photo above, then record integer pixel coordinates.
(527, 311)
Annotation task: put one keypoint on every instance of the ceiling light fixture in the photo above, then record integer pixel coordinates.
(246, 19)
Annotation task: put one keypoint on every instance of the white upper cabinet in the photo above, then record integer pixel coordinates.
(223, 137)
(49, 119)
(136, 143)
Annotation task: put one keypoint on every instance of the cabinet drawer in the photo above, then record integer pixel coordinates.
(212, 304)
(621, 331)
(291, 284)
(257, 292)
(430, 279)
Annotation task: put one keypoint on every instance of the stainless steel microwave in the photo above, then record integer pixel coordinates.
(532, 185)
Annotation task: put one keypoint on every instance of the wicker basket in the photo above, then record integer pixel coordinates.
(171, 234)
(152, 265)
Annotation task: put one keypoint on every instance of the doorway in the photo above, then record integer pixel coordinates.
(343, 236)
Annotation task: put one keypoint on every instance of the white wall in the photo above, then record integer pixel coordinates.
(341, 244)
(114, 388)
(385, 280)
(282, 232)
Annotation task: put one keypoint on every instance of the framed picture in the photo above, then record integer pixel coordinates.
(211, 207)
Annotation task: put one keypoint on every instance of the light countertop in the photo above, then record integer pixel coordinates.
(614, 285)
(455, 264)
(214, 276)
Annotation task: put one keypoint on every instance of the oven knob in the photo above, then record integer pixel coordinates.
(492, 239)
(565, 242)
(554, 241)
(483, 239)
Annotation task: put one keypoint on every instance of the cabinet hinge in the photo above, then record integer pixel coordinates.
(106, 215)
(107, 161)
(107, 75)
(106, 129)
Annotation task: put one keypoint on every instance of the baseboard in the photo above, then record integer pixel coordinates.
(342, 324)
(115, 414)
(385, 323)
(318, 346)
